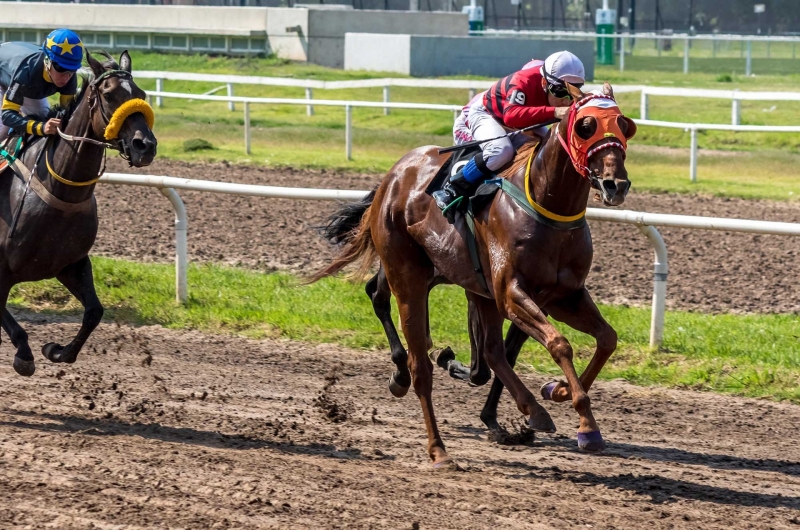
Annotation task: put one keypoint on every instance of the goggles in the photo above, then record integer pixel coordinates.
(557, 87)
(58, 68)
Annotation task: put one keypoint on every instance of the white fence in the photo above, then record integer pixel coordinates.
(349, 105)
(746, 41)
(644, 221)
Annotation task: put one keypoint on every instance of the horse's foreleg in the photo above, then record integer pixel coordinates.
(491, 343)
(77, 278)
(579, 311)
(23, 360)
(524, 312)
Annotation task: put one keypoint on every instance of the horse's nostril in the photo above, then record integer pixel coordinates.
(139, 145)
(610, 186)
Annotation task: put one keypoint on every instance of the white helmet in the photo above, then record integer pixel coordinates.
(563, 67)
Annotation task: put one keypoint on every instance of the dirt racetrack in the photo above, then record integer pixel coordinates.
(154, 428)
(709, 271)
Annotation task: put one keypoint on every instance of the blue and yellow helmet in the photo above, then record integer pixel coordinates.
(64, 47)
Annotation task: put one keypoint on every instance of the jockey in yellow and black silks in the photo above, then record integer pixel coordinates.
(29, 74)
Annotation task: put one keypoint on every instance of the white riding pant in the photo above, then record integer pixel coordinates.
(476, 123)
(35, 107)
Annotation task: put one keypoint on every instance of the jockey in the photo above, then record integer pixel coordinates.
(535, 94)
(29, 74)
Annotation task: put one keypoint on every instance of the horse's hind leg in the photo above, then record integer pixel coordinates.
(378, 291)
(77, 278)
(579, 311)
(23, 360)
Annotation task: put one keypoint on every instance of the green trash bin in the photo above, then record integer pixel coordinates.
(475, 17)
(606, 21)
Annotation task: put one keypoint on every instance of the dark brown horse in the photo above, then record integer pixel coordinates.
(532, 267)
(55, 215)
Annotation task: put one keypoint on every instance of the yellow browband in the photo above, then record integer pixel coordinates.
(126, 109)
(541, 209)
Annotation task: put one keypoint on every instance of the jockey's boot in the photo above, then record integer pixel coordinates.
(462, 184)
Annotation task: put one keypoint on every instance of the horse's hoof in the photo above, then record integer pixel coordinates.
(55, 353)
(591, 442)
(457, 370)
(548, 389)
(442, 357)
(396, 388)
(541, 421)
(446, 464)
(25, 368)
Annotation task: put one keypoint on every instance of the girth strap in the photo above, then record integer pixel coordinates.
(472, 245)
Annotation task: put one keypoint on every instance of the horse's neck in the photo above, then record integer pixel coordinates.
(554, 183)
(77, 161)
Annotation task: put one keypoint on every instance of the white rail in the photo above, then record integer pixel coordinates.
(349, 105)
(645, 221)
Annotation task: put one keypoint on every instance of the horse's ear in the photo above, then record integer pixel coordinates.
(627, 125)
(574, 91)
(125, 61)
(94, 64)
(607, 90)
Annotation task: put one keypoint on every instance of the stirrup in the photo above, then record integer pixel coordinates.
(455, 202)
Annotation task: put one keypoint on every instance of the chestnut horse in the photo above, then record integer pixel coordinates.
(532, 265)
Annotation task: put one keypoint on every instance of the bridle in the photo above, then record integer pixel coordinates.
(112, 125)
(579, 156)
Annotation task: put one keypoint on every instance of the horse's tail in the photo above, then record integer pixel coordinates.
(350, 225)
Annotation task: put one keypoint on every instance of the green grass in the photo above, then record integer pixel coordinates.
(756, 355)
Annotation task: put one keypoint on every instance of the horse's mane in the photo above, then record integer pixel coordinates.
(520, 159)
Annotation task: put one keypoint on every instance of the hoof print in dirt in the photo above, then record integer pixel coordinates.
(521, 435)
(331, 409)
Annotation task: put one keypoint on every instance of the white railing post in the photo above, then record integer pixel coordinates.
(159, 88)
(643, 104)
(247, 127)
(748, 64)
(622, 54)
(386, 100)
(693, 156)
(736, 111)
(309, 95)
(660, 273)
(181, 252)
(348, 132)
(231, 104)
(471, 93)
(686, 56)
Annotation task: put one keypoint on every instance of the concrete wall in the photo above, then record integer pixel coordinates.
(328, 28)
(429, 56)
(313, 35)
(136, 18)
(392, 55)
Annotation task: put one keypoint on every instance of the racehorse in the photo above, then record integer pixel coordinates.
(47, 207)
(534, 251)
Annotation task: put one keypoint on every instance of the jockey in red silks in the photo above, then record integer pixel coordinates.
(535, 94)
